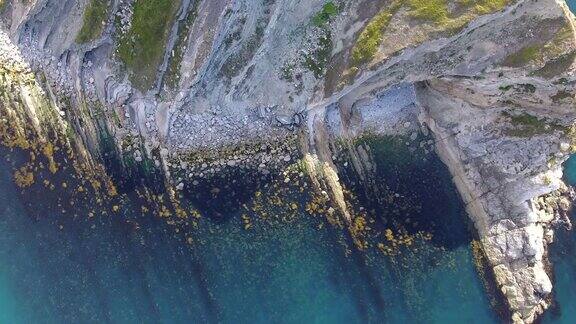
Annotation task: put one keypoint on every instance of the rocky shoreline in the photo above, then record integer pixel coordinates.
(492, 97)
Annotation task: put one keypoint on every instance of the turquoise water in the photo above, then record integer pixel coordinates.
(57, 265)
(562, 255)
(64, 267)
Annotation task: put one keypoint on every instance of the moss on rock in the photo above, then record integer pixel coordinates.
(95, 16)
(142, 47)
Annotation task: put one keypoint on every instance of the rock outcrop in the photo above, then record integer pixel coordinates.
(492, 81)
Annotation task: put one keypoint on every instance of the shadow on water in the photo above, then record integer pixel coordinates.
(370, 285)
(222, 195)
(135, 267)
(125, 172)
(409, 189)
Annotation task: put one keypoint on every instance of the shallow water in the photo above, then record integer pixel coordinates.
(62, 266)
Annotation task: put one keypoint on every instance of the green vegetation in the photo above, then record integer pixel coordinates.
(485, 6)
(430, 10)
(318, 59)
(526, 125)
(538, 53)
(556, 66)
(234, 64)
(523, 56)
(527, 87)
(561, 95)
(371, 37)
(142, 47)
(437, 12)
(95, 16)
(328, 11)
(286, 73)
(3, 5)
(173, 72)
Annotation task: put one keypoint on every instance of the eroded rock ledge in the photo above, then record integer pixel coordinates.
(242, 84)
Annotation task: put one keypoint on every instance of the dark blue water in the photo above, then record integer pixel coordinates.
(58, 264)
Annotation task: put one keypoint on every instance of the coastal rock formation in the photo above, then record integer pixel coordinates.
(199, 86)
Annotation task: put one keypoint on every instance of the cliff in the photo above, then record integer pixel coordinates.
(193, 87)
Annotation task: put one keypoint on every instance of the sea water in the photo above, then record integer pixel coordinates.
(126, 268)
(572, 5)
(563, 258)
(63, 266)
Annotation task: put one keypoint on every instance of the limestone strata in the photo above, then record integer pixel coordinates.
(492, 81)
(501, 182)
(501, 130)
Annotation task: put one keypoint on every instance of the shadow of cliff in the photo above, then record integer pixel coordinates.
(409, 189)
(221, 196)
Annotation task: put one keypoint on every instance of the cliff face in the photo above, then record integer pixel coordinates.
(201, 85)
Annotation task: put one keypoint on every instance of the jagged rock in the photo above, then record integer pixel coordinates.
(497, 120)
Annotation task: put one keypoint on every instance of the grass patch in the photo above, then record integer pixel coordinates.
(429, 10)
(435, 11)
(318, 59)
(329, 10)
(371, 37)
(557, 66)
(537, 53)
(485, 6)
(142, 47)
(523, 56)
(526, 125)
(95, 16)
(173, 72)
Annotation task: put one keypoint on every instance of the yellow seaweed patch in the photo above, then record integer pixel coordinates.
(24, 177)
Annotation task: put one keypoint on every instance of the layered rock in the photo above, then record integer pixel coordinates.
(492, 81)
